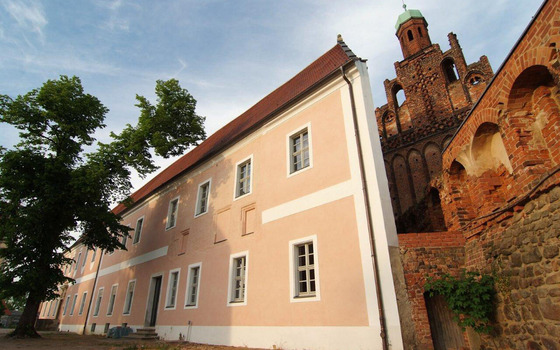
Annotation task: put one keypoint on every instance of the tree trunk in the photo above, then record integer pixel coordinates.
(26, 325)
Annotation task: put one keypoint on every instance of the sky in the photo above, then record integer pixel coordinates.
(228, 54)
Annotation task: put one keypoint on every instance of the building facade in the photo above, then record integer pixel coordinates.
(426, 102)
(274, 232)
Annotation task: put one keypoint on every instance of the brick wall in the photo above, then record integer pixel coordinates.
(501, 188)
(422, 255)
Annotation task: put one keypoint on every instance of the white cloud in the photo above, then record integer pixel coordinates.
(29, 15)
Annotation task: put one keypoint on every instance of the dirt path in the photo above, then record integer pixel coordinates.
(71, 341)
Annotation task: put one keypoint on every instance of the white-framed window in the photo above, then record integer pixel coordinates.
(193, 285)
(85, 260)
(300, 155)
(202, 198)
(129, 297)
(124, 239)
(112, 298)
(77, 262)
(172, 284)
(49, 309)
(244, 178)
(82, 303)
(93, 255)
(66, 305)
(304, 270)
(238, 273)
(138, 230)
(73, 304)
(98, 302)
(172, 213)
(56, 302)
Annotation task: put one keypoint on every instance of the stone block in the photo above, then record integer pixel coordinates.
(550, 251)
(550, 310)
(553, 279)
(532, 255)
(550, 344)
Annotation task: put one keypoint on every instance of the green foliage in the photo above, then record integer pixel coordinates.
(50, 187)
(471, 298)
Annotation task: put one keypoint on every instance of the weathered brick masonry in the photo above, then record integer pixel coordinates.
(501, 187)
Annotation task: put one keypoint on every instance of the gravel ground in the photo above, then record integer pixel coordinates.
(67, 341)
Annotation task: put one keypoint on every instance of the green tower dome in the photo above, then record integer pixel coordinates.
(406, 15)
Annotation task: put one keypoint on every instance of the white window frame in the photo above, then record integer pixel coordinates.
(73, 304)
(84, 261)
(98, 301)
(82, 303)
(93, 258)
(129, 301)
(168, 290)
(77, 262)
(169, 213)
(111, 306)
(190, 270)
(231, 281)
(289, 137)
(139, 232)
(197, 211)
(56, 301)
(66, 305)
(236, 186)
(294, 293)
(48, 309)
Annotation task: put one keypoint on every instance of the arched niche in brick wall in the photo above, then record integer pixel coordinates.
(418, 172)
(432, 154)
(533, 109)
(390, 127)
(459, 199)
(402, 182)
(488, 150)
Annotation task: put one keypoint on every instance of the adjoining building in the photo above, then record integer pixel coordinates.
(276, 231)
(426, 102)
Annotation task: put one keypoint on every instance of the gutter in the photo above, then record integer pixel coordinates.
(369, 219)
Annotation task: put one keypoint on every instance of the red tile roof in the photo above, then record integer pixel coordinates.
(321, 68)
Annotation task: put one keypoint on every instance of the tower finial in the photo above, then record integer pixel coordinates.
(404, 5)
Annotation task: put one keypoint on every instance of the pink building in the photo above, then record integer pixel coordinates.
(277, 231)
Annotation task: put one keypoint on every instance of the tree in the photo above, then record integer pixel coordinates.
(50, 186)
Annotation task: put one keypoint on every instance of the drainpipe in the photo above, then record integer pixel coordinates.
(383, 333)
(93, 291)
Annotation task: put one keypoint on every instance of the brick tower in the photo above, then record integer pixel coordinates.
(430, 96)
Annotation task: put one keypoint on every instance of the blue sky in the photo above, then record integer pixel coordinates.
(228, 54)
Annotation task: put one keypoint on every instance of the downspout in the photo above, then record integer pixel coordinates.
(383, 333)
(93, 291)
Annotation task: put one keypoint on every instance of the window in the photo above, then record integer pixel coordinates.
(202, 198)
(73, 304)
(112, 300)
(98, 302)
(450, 70)
(237, 291)
(243, 178)
(172, 289)
(55, 307)
(410, 36)
(124, 239)
(77, 262)
(138, 230)
(172, 213)
(299, 153)
(82, 303)
(304, 269)
(193, 283)
(93, 327)
(129, 297)
(66, 305)
(93, 255)
(50, 308)
(85, 259)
